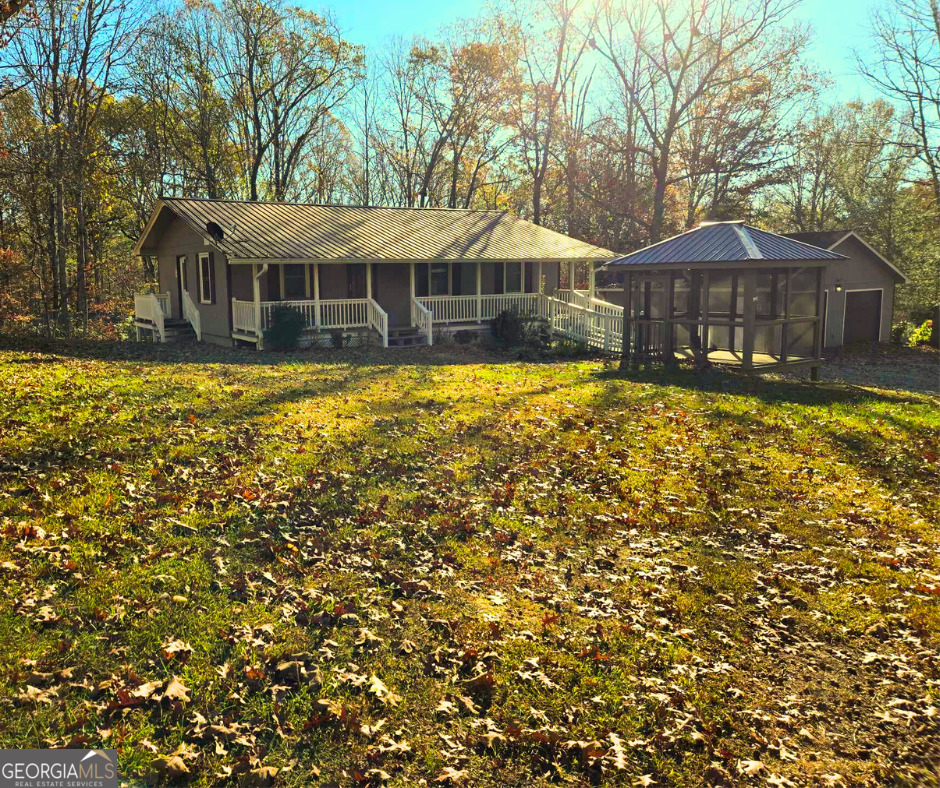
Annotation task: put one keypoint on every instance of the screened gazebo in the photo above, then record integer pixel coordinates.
(725, 293)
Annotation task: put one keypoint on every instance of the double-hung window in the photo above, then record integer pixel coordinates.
(206, 279)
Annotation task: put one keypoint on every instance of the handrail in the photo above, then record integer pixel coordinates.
(191, 313)
(378, 319)
(156, 314)
(422, 319)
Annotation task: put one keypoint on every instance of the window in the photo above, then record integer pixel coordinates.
(513, 274)
(294, 280)
(206, 279)
(440, 284)
(355, 280)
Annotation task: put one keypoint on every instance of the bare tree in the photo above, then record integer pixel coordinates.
(551, 39)
(905, 67)
(286, 70)
(670, 58)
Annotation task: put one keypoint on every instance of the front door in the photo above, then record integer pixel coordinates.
(862, 316)
(391, 288)
(182, 282)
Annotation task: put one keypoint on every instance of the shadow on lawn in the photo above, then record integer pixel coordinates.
(47, 350)
(768, 391)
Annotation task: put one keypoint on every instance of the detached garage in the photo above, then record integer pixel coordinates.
(858, 291)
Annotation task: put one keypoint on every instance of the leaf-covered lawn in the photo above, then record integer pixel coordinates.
(441, 566)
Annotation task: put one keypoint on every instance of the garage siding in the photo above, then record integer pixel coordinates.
(862, 271)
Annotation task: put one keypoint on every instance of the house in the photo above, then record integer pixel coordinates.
(726, 293)
(358, 274)
(858, 299)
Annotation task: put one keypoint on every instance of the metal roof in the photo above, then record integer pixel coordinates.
(261, 231)
(725, 242)
(825, 239)
(830, 239)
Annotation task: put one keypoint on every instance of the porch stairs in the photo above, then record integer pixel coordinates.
(406, 336)
(175, 330)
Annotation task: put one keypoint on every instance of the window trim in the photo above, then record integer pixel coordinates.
(203, 299)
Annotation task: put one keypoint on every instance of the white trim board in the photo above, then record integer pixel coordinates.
(881, 310)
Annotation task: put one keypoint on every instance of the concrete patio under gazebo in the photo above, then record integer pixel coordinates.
(725, 293)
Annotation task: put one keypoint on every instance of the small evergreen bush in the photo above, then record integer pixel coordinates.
(287, 326)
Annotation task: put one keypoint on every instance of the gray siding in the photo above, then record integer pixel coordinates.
(178, 239)
(862, 271)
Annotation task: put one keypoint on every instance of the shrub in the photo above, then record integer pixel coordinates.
(466, 336)
(513, 329)
(922, 334)
(287, 326)
(901, 332)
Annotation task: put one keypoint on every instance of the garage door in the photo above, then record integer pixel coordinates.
(862, 316)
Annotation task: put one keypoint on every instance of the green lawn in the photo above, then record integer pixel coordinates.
(451, 567)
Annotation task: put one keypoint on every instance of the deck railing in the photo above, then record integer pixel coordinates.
(592, 328)
(423, 319)
(191, 313)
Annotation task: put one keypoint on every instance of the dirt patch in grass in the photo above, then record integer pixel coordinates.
(437, 565)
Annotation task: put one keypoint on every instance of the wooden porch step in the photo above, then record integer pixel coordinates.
(405, 336)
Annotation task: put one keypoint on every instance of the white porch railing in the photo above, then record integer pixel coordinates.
(153, 308)
(469, 308)
(191, 313)
(423, 319)
(378, 319)
(244, 317)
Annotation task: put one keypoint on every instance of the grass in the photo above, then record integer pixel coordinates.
(443, 566)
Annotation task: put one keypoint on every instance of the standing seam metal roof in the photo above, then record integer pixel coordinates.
(303, 231)
(725, 242)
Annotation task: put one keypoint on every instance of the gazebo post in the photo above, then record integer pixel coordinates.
(750, 291)
(669, 349)
(627, 322)
(706, 298)
(818, 332)
(733, 312)
(785, 328)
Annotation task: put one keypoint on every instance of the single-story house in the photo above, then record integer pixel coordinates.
(858, 300)
(725, 293)
(384, 274)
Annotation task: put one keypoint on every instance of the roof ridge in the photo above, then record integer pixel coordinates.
(336, 205)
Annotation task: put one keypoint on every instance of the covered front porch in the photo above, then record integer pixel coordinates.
(388, 300)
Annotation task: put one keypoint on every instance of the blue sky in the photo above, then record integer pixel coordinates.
(839, 26)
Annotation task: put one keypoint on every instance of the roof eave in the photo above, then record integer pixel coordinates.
(747, 263)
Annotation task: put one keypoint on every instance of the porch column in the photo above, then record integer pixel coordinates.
(591, 273)
(538, 287)
(411, 278)
(479, 292)
(316, 295)
(368, 280)
(522, 277)
(256, 290)
(750, 292)
(571, 275)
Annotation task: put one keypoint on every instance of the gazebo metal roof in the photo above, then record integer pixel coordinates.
(725, 242)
